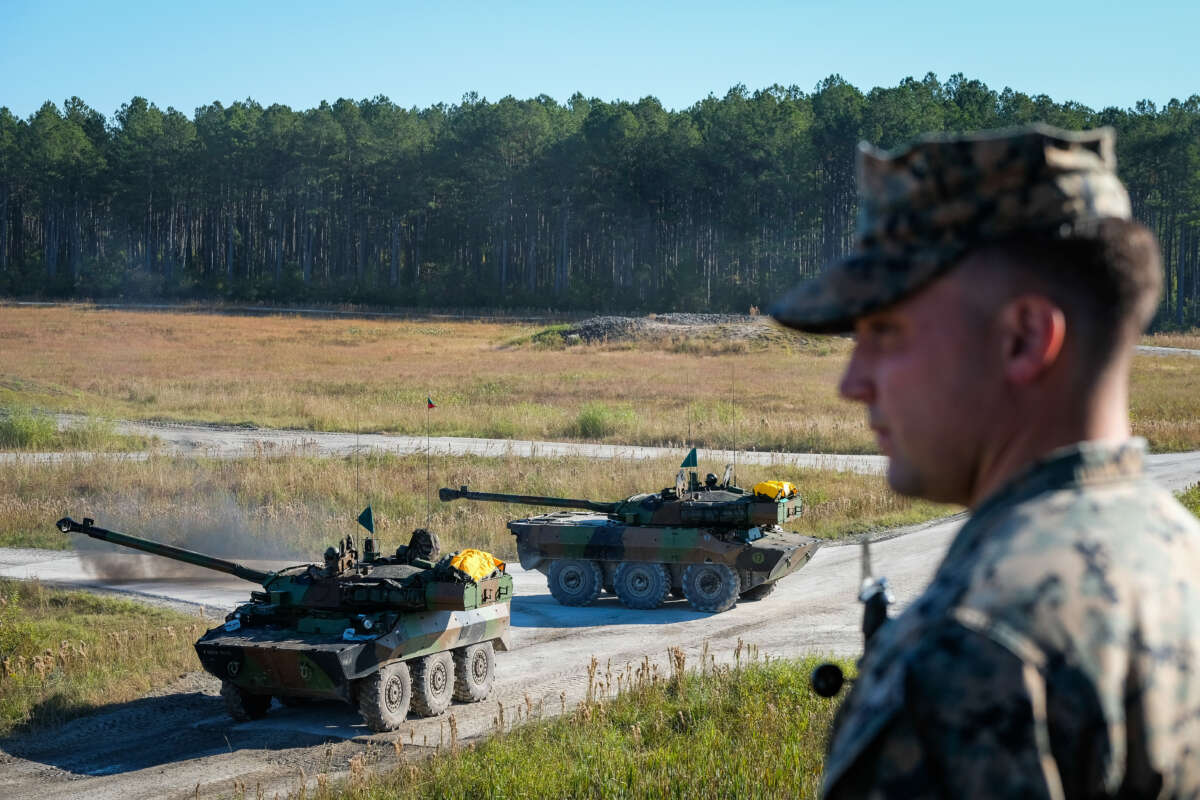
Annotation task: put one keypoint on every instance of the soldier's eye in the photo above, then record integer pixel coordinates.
(882, 328)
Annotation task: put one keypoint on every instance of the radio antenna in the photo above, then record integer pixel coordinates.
(357, 460)
(429, 406)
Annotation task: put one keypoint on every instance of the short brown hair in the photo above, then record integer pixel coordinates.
(1107, 283)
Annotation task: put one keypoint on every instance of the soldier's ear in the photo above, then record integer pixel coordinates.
(1032, 330)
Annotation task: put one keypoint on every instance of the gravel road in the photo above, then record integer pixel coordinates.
(220, 441)
(1154, 350)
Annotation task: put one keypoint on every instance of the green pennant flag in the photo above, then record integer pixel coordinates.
(367, 519)
(690, 461)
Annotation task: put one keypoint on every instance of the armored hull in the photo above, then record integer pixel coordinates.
(289, 663)
(568, 542)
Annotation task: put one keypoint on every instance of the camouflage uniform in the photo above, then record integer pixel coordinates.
(1053, 655)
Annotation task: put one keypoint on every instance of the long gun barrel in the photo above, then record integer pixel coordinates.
(446, 495)
(68, 525)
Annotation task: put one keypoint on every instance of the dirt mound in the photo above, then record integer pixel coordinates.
(670, 327)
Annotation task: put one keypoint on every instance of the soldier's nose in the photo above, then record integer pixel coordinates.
(856, 383)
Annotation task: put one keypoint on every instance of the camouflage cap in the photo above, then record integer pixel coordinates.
(922, 208)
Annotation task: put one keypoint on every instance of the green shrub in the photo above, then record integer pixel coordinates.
(23, 429)
(598, 421)
(1190, 498)
(91, 433)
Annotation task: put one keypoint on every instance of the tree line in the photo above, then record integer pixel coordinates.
(616, 206)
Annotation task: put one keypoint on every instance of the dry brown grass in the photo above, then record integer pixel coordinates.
(293, 507)
(1188, 340)
(375, 375)
(1165, 402)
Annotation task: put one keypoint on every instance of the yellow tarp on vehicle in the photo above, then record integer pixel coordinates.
(476, 563)
(774, 489)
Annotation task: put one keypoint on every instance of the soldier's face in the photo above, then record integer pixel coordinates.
(922, 369)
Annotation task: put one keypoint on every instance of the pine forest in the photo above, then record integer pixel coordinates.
(512, 204)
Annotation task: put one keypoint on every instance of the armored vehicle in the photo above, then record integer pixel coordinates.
(379, 632)
(711, 543)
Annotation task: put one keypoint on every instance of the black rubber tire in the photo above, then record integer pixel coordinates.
(242, 705)
(474, 672)
(711, 587)
(759, 592)
(384, 697)
(575, 581)
(642, 584)
(432, 684)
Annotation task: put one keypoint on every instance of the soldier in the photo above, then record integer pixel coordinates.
(996, 291)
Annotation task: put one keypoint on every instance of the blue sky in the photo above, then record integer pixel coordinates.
(419, 53)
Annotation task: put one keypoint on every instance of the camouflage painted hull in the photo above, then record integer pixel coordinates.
(762, 557)
(287, 663)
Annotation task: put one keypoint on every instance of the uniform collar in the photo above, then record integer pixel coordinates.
(1080, 464)
(1090, 463)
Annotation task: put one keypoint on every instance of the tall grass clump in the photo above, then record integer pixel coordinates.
(25, 429)
(63, 654)
(600, 421)
(96, 433)
(1190, 498)
(745, 730)
(549, 337)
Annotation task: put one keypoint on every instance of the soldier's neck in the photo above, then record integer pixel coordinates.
(1043, 422)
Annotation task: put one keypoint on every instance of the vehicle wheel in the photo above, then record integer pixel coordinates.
(474, 672)
(641, 584)
(710, 587)
(575, 582)
(759, 592)
(242, 705)
(383, 697)
(433, 684)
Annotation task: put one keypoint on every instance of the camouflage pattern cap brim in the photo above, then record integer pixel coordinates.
(922, 208)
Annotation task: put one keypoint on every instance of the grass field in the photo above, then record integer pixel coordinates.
(1188, 340)
(294, 506)
(63, 654)
(749, 730)
(375, 375)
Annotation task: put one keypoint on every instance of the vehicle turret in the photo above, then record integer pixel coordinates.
(711, 505)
